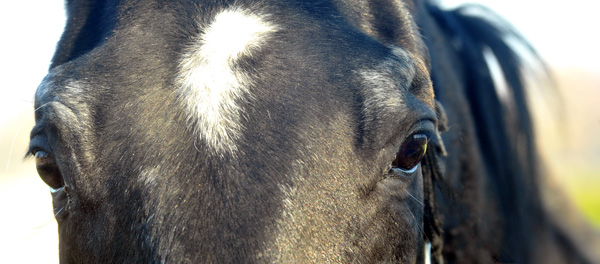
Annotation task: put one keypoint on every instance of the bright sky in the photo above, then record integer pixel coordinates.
(564, 32)
(30, 30)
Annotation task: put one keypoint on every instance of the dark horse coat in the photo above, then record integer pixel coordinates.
(288, 131)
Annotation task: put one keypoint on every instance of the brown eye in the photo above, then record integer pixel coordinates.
(47, 169)
(411, 152)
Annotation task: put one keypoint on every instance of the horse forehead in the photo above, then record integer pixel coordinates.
(211, 84)
(390, 79)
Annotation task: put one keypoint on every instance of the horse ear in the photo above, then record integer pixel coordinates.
(433, 169)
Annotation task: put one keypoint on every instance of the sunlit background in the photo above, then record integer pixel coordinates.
(565, 34)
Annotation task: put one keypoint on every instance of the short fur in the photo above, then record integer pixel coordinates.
(335, 91)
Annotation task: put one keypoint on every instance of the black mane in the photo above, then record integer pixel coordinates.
(505, 137)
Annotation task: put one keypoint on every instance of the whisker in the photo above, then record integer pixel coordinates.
(427, 255)
(35, 110)
(12, 145)
(421, 203)
(55, 214)
(45, 224)
(37, 231)
(421, 230)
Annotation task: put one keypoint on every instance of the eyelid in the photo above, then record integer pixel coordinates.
(406, 171)
(38, 143)
(424, 126)
(428, 133)
(34, 149)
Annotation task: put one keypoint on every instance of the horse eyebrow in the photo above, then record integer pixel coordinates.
(387, 83)
(211, 86)
(388, 98)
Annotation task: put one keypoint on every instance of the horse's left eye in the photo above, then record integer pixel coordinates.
(411, 153)
(48, 170)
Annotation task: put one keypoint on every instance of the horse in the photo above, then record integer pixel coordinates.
(241, 131)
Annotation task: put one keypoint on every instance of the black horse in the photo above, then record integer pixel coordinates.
(290, 132)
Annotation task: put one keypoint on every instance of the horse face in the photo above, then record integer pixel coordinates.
(232, 133)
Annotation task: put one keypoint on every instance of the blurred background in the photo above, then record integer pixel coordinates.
(568, 129)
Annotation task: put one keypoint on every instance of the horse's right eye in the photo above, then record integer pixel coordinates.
(48, 170)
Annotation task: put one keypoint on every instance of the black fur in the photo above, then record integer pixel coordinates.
(310, 181)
